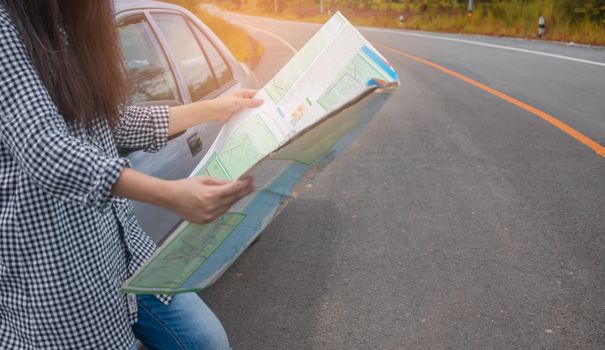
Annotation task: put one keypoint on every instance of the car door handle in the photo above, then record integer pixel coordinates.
(195, 144)
(174, 136)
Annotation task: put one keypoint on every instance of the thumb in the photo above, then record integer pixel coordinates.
(231, 188)
(205, 180)
(250, 102)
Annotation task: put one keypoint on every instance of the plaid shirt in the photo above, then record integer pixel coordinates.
(63, 256)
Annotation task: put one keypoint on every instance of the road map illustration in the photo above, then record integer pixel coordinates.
(249, 143)
(313, 108)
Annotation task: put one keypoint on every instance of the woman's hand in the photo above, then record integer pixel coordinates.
(199, 199)
(221, 108)
(225, 106)
(204, 199)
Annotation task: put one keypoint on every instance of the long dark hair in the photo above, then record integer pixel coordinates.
(73, 45)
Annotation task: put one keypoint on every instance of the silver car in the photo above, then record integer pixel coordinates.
(174, 59)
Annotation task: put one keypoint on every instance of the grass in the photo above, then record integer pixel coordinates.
(515, 18)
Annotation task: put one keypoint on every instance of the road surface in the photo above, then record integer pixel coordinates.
(460, 218)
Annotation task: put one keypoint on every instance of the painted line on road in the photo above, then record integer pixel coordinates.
(275, 36)
(494, 46)
(588, 142)
(444, 38)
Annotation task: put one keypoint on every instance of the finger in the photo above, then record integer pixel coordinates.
(234, 198)
(255, 102)
(249, 178)
(228, 201)
(220, 185)
(247, 93)
(249, 102)
(212, 181)
(235, 195)
(231, 188)
(220, 210)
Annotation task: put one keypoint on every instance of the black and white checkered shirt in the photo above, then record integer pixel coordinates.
(62, 255)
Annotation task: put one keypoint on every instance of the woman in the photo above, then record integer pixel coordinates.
(68, 238)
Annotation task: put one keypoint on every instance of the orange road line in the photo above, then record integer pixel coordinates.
(588, 142)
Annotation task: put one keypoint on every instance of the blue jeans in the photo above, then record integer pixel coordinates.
(185, 324)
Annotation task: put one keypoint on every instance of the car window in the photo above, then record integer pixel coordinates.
(221, 69)
(188, 54)
(152, 79)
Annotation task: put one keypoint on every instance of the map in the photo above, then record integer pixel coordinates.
(283, 82)
(183, 254)
(313, 108)
(250, 142)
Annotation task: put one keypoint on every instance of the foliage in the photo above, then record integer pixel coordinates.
(245, 48)
(580, 21)
(584, 10)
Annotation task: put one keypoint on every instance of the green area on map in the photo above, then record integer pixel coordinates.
(215, 169)
(318, 141)
(357, 73)
(249, 143)
(283, 81)
(185, 253)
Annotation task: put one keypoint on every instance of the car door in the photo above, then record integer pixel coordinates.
(155, 81)
(191, 61)
(171, 61)
(204, 68)
(222, 71)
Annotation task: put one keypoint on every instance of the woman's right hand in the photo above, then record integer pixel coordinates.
(204, 199)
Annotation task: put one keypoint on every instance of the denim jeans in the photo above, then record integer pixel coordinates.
(185, 324)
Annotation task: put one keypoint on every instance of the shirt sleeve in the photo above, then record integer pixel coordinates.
(142, 127)
(38, 138)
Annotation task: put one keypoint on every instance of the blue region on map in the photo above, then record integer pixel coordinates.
(265, 203)
(380, 62)
(262, 206)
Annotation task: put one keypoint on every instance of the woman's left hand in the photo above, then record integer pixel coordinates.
(225, 106)
(220, 109)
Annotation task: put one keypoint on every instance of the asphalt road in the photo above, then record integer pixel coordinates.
(457, 220)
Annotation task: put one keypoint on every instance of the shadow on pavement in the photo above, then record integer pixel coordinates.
(291, 264)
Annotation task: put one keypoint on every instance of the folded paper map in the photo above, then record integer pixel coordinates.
(315, 105)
